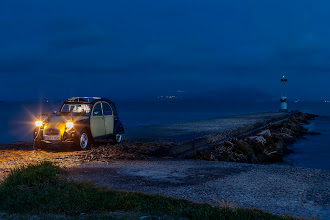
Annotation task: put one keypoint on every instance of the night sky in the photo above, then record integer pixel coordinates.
(133, 49)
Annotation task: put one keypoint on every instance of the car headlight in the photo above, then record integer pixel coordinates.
(38, 123)
(69, 125)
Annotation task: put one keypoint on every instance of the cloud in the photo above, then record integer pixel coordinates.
(173, 37)
(97, 54)
(309, 52)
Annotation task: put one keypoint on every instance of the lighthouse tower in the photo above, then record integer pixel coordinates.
(284, 104)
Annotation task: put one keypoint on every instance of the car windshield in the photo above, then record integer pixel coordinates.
(76, 109)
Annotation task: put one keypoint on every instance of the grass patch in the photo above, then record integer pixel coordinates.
(43, 189)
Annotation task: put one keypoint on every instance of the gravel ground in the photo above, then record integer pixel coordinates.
(20, 154)
(299, 192)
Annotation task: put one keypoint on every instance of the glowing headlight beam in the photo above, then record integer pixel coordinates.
(69, 125)
(38, 123)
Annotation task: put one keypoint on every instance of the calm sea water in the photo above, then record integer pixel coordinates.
(313, 151)
(17, 122)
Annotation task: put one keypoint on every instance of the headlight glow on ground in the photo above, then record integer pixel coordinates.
(38, 123)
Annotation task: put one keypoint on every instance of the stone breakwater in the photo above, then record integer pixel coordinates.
(269, 145)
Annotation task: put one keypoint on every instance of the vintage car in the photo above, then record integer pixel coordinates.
(79, 122)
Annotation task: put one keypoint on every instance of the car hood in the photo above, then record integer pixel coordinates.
(59, 122)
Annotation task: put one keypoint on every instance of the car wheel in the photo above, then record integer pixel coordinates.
(118, 138)
(85, 140)
(39, 144)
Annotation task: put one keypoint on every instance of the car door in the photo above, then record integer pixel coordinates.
(108, 118)
(97, 121)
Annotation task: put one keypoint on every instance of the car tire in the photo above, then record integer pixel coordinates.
(118, 138)
(39, 144)
(85, 140)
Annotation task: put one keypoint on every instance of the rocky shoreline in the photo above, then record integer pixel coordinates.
(263, 146)
(267, 146)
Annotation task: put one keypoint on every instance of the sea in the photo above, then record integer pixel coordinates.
(312, 151)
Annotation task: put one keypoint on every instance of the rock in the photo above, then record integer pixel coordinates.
(259, 139)
(265, 133)
(254, 159)
(247, 150)
(267, 146)
(289, 140)
(279, 145)
(212, 157)
(227, 156)
(286, 131)
(274, 156)
(244, 147)
(242, 159)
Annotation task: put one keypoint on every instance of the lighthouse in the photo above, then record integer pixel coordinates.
(284, 104)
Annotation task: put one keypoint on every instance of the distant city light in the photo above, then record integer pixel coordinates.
(167, 97)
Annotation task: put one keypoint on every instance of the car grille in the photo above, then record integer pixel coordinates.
(52, 131)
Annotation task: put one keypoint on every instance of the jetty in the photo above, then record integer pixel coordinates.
(190, 136)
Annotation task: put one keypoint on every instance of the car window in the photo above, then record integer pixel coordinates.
(97, 109)
(114, 109)
(106, 109)
(76, 108)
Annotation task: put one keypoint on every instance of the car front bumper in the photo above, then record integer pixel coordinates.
(69, 137)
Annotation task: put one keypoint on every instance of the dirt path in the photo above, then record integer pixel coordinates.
(22, 153)
(299, 192)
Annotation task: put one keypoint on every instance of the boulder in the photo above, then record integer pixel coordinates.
(242, 159)
(259, 139)
(265, 133)
(244, 147)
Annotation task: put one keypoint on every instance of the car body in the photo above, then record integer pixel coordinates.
(80, 121)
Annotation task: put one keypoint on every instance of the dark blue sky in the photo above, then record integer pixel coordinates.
(122, 49)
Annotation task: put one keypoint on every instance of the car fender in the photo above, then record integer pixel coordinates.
(119, 128)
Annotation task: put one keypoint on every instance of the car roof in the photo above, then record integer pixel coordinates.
(86, 100)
